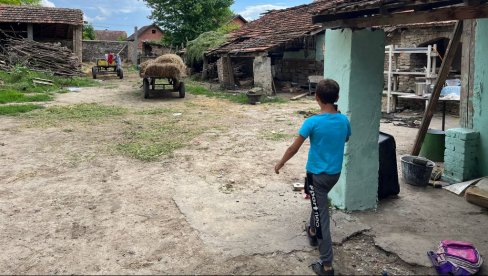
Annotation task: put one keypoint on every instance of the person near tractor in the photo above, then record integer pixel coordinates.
(328, 132)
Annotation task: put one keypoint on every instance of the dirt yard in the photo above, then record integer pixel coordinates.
(106, 182)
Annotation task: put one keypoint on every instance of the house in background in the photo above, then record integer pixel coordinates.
(107, 35)
(238, 20)
(147, 33)
(44, 24)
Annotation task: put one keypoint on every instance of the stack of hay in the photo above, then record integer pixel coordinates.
(166, 66)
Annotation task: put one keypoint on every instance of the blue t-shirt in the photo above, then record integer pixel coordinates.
(328, 134)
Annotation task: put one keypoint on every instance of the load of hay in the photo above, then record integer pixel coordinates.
(165, 66)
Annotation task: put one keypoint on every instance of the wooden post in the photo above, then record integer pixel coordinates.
(467, 74)
(78, 41)
(30, 32)
(390, 68)
(205, 68)
(136, 47)
(444, 72)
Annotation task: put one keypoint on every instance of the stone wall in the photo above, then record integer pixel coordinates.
(93, 49)
(297, 70)
(263, 76)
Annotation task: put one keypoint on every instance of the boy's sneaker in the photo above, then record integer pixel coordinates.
(318, 268)
(312, 239)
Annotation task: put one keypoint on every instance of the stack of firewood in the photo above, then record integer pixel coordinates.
(44, 57)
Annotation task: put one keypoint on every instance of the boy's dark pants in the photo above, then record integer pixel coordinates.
(319, 186)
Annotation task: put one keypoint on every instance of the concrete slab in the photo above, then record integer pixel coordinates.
(410, 248)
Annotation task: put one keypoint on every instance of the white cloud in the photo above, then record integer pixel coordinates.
(254, 12)
(87, 18)
(47, 3)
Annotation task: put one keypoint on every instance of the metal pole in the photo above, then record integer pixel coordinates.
(390, 68)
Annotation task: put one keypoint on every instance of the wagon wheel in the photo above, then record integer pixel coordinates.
(121, 73)
(145, 85)
(176, 84)
(94, 72)
(182, 90)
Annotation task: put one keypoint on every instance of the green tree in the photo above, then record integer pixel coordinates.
(19, 2)
(183, 21)
(88, 32)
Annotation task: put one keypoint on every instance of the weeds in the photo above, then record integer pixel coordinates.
(78, 113)
(154, 111)
(10, 96)
(17, 109)
(276, 136)
(240, 98)
(152, 141)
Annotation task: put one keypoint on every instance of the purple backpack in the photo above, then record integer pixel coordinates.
(456, 258)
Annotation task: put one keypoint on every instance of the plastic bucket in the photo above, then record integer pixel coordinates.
(434, 145)
(416, 170)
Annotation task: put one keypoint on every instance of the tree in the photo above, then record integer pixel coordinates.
(183, 21)
(21, 2)
(88, 32)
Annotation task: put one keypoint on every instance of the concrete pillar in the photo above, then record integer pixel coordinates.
(78, 41)
(136, 47)
(263, 75)
(355, 59)
(30, 32)
(480, 93)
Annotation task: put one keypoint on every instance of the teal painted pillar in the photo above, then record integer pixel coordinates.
(480, 93)
(355, 59)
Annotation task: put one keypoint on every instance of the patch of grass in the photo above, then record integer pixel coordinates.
(154, 111)
(18, 109)
(152, 141)
(78, 113)
(11, 96)
(240, 98)
(276, 136)
(20, 79)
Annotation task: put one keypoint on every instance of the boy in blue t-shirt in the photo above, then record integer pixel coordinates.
(328, 133)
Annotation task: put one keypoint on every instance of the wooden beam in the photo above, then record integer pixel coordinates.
(441, 14)
(467, 74)
(444, 72)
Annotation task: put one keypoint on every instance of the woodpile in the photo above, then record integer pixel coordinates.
(43, 57)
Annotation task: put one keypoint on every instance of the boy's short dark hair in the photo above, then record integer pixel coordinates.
(328, 91)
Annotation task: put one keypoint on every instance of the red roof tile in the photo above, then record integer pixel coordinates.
(39, 15)
(273, 29)
(110, 35)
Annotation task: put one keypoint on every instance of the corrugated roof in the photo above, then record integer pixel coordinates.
(274, 29)
(40, 15)
(110, 35)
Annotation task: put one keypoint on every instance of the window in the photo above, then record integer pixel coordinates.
(153, 31)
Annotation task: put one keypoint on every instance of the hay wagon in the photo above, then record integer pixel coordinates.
(165, 73)
(150, 83)
(109, 65)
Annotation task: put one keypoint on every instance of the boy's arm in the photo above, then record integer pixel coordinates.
(290, 152)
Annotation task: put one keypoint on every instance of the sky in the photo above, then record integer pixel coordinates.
(124, 15)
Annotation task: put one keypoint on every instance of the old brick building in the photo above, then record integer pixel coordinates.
(44, 25)
(281, 46)
(147, 33)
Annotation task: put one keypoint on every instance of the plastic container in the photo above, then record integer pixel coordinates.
(417, 170)
(434, 145)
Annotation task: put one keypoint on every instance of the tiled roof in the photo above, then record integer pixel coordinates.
(34, 14)
(274, 29)
(142, 30)
(110, 35)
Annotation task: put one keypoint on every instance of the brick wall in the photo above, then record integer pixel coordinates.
(297, 70)
(93, 49)
(461, 155)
